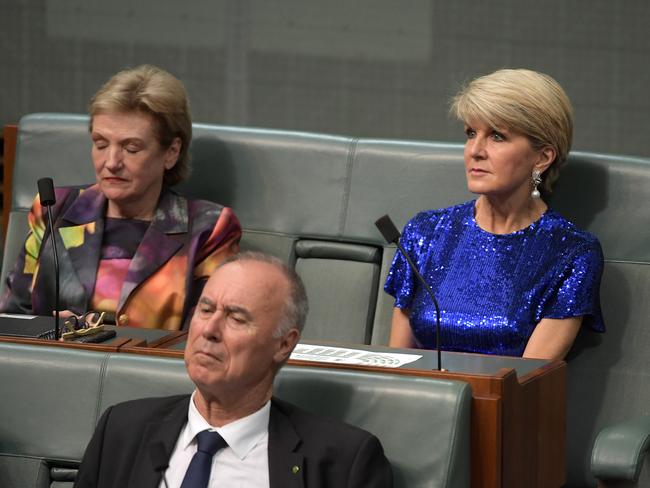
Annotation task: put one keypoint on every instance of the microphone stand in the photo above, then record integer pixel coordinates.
(47, 199)
(56, 274)
(391, 234)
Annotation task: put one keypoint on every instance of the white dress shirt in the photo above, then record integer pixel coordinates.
(244, 463)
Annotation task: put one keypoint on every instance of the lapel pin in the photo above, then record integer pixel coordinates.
(295, 469)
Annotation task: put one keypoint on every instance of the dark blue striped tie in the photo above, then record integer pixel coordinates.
(198, 472)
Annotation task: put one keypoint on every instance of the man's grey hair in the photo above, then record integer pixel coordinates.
(296, 305)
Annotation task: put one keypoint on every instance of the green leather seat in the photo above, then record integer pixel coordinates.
(53, 397)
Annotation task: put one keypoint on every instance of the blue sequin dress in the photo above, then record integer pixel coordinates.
(493, 289)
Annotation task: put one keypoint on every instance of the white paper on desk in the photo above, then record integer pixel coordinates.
(16, 316)
(343, 355)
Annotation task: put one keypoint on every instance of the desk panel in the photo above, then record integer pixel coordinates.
(126, 336)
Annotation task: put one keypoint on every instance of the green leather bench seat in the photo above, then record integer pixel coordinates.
(53, 397)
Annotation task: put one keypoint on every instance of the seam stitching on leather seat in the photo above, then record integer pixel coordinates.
(39, 474)
(453, 441)
(348, 183)
(622, 261)
(459, 402)
(100, 389)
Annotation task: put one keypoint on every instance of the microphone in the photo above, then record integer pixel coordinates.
(160, 460)
(46, 191)
(47, 198)
(391, 234)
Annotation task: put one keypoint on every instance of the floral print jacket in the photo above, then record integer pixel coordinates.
(184, 243)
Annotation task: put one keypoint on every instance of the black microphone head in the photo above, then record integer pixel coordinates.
(387, 229)
(46, 192)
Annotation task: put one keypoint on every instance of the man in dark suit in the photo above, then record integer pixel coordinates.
(245, 326)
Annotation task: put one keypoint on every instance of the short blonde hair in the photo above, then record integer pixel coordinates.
(524, 101)
(154, 91)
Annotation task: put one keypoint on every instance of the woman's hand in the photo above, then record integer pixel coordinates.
(64, 314)
(552, 338)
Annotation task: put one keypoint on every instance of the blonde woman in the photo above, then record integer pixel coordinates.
(512, 276)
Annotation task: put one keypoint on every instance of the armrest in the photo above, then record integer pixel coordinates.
(619, 449)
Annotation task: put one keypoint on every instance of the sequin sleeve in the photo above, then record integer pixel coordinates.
(577, 290)
(400, 282)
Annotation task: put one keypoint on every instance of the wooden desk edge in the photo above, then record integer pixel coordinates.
(111, 346)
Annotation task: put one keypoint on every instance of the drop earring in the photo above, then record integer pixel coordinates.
(536, 179)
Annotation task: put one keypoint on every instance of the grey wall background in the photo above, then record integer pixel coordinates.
(379, 68)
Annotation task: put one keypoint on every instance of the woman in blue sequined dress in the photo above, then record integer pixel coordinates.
(512, 276)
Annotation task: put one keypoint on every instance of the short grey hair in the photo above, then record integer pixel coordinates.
(296, 304)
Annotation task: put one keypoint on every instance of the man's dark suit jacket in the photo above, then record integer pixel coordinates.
(304, 450)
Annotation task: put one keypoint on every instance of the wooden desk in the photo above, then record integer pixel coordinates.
(127, 337)
(113, 345)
